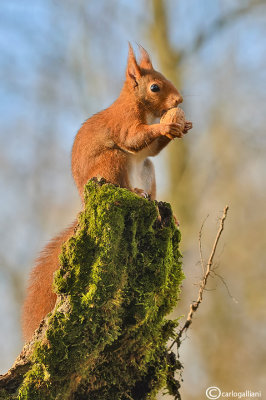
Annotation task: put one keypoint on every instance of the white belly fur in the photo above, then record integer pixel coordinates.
(138, 176)
(141, 175)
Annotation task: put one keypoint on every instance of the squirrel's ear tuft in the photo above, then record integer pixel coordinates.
(145, 61)
(133, 73)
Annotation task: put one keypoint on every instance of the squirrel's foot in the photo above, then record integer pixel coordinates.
(141, 193)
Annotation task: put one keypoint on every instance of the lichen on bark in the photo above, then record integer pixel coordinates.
(120, 276)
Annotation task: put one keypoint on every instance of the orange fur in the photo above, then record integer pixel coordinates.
(113, 144)
(40, 298)
(111, 141)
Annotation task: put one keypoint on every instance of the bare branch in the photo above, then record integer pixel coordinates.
(200, 245)
(170, 56)
(195, 305)
(221, 23)
(226, 286)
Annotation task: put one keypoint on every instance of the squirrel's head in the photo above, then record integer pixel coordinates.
(152, 90)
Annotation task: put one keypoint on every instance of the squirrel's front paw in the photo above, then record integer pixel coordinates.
(174, 123)
(172, 130)
(141, 193)
(188, 126)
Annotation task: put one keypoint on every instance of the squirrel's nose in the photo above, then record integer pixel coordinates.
(178, 100)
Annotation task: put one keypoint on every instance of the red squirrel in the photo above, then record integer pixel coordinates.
(113, 144)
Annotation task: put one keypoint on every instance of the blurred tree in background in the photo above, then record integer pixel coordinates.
(63, 61)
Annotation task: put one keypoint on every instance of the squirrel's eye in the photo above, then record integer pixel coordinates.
(154, 88)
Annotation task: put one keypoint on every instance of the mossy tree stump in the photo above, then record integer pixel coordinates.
(106, 338)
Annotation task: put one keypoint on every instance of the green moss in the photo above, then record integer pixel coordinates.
(120, 276)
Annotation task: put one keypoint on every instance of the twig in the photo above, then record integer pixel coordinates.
(200, 246)
(226, 286)
(220, 23)
(195, 305)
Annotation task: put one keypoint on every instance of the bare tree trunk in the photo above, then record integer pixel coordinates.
(180, 179)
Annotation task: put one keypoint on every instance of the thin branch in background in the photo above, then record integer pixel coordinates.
(195, 305)
(220, 23)
(226, 286)
(200, 245)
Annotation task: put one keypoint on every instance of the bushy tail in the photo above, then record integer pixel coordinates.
(40, 299)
